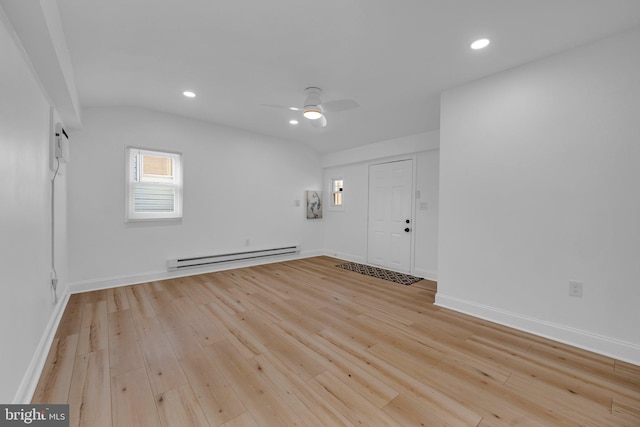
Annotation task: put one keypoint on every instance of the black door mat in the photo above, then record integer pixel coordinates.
(380, 273)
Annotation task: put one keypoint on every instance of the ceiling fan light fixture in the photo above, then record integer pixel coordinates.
(312, 114)
(480, 44)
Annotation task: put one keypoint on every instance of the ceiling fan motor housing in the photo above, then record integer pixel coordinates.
(313, 99)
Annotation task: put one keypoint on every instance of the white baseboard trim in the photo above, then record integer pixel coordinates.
(134, 279)
(346, 257)
(426, 274)
(32, 376)
(617, 349)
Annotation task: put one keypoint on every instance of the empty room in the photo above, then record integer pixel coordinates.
(345, 213)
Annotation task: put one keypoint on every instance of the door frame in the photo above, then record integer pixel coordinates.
(414, 175)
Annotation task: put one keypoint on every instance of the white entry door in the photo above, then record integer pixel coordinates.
(390, 221)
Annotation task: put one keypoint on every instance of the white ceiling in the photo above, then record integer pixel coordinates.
(394, 57)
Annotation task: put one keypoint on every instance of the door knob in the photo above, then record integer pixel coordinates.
(407, 221)
(407, 229)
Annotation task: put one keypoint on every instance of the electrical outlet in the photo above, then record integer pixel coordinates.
(575, 289)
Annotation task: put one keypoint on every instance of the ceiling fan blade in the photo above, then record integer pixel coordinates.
(281, 107)
(340, 105)
(319, 123)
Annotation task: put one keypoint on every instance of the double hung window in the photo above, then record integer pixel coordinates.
(337, 187)
(154, 185)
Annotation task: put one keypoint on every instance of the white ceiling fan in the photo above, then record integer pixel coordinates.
(315, 110)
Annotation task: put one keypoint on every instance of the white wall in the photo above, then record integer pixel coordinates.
(540, 168)
(345, 232)
(27, 304)
(426, 219)
(238, 186)
(406, 145)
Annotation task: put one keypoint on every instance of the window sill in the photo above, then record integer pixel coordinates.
(147, 220)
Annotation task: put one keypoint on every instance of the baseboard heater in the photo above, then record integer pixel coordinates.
(178, 263)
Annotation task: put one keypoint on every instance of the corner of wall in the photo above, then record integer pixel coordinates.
(32, 375)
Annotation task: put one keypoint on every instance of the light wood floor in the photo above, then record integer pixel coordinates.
(304, 343)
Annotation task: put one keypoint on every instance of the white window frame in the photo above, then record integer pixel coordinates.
(176, 184)
(331, 205)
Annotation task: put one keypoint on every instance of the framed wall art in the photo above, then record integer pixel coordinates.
(314, 204)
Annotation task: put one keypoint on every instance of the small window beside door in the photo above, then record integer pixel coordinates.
(154, 185)
(337, 194)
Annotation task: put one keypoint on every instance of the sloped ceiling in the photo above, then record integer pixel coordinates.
(393, 57)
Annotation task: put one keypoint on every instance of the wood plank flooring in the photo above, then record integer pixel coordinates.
(303, 343)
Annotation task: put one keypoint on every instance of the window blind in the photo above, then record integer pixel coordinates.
(153, 198)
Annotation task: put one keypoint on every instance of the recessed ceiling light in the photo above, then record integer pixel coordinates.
(293, 122)
(480, 44)
(189, 94)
